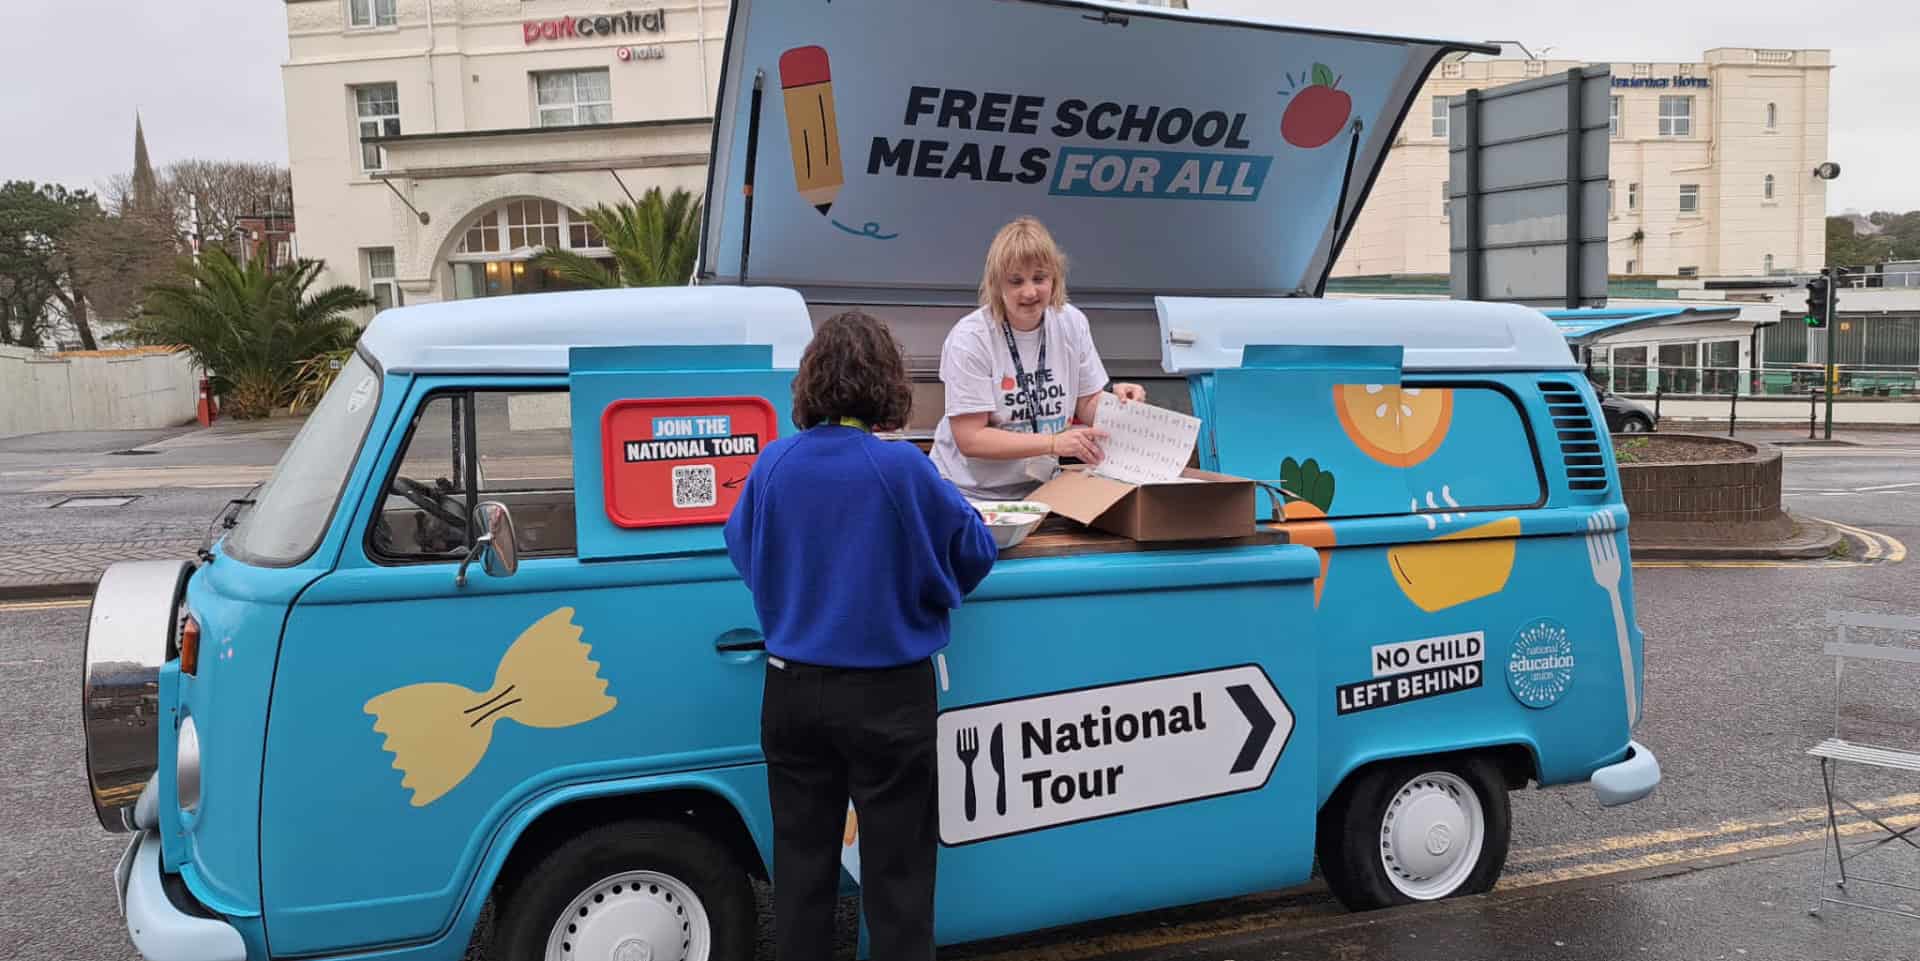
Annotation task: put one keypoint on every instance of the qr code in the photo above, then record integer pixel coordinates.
(693, 486)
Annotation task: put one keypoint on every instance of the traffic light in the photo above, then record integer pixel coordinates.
(1833, 294)
(1816, 315)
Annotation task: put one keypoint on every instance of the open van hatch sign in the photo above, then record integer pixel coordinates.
(675, 461)
(1041, 762)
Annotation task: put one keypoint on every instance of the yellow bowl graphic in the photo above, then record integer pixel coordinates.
(1455, 568)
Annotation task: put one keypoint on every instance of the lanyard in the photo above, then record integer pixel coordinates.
(1020, 369)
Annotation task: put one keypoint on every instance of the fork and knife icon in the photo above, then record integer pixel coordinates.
(967, 746)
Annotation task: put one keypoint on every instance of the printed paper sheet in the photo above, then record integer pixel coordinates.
(1145, 444)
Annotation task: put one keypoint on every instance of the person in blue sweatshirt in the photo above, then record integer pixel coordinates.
(856, 551)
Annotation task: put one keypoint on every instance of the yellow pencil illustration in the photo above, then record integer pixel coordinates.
(811, 130)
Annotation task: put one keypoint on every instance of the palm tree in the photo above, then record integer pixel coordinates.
(654, 243)
(251, 327)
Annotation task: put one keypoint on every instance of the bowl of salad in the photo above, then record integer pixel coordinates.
(1011, 521)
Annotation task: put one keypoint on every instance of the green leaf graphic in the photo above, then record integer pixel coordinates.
(1308, 481)
(1290, 477)
(1322, 76)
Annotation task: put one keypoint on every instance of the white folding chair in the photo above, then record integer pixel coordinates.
(1838, 750)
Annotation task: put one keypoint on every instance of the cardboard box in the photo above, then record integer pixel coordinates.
(1221, 506)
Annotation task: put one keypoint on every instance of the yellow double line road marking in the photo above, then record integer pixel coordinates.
(1899, 810)
(1700, 853)
(1879, 546)
(43, 605)
(1554, 852)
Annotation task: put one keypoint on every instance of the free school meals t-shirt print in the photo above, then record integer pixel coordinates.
(980, 377)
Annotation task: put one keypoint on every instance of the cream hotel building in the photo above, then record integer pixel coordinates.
(1712, 167)
(437, 145)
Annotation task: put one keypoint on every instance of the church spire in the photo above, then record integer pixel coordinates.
(146, 190)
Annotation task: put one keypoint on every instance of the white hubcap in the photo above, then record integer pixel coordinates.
(632, 916)
(1431, 835)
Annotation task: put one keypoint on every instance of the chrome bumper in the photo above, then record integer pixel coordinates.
(1629, 779)
(130, 633)
(161, 931)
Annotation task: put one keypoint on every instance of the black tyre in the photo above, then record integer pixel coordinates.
(644, 888)
(1418, 829)
(1636, 424)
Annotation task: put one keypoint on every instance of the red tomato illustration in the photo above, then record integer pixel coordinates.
(1317, 112)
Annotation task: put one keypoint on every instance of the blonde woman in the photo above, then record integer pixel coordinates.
(1018, 372)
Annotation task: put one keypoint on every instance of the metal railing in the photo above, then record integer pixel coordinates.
(1854, 384)
(1855, 280)
(1851, 381)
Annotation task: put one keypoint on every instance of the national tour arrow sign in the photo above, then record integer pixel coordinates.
(1068, 756)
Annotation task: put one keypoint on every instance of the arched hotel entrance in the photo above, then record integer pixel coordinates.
(494, 255)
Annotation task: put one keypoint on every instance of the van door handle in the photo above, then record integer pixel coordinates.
(738, 640)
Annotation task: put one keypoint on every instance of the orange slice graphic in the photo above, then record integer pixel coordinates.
(1400, 426)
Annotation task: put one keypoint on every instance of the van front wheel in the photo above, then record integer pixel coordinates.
(651, 890)
(1415, 830)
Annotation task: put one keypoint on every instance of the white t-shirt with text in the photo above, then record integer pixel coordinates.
(980, 377)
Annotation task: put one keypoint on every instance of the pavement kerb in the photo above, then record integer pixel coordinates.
(1821, 543)
(57, 589)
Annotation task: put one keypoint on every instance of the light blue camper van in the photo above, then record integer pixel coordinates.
(477, 640)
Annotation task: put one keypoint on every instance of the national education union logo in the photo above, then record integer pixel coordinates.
(1541, 667)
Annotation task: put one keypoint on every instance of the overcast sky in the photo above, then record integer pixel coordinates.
(205, 74)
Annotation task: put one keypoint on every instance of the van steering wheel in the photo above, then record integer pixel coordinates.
(429, 500)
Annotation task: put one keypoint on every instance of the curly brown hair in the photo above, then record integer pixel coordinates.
(853, 368)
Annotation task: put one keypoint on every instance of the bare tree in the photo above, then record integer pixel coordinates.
(207, 198)
(113, 259)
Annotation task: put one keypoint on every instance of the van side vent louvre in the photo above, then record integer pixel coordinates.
(1579, 440)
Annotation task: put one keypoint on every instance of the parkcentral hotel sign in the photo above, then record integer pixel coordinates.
(1662, 82)
(602, 25)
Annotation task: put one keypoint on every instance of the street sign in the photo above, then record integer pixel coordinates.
(1070, 756)
(1527, 190)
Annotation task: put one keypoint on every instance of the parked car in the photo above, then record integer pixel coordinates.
(1624, 416)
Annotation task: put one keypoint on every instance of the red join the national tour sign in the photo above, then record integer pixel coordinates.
(676, 461)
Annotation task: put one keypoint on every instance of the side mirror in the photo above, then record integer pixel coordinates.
(495, 546)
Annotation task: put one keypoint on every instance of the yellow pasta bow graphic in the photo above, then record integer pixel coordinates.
(438, 732)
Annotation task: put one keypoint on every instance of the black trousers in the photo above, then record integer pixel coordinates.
(830, 734)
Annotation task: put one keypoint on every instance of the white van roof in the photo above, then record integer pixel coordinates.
(1208, 333)
(532, 333)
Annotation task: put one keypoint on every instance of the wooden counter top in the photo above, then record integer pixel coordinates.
(1061, 537)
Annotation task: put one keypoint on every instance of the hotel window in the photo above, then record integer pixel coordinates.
(1676, 116)
(1767, 191)
(1690, 199)
(1633, 197)
(533, 223)
(380, 279)
(581, 233)
(1773, 116)
(1613, 116)
(571, 97)
(1766, 268)
(378, 108)
(1689, 271)
(484, 236)
(1440, 118)
(1446, 201)
(371, 13)
(1609, 198)
(528, 223)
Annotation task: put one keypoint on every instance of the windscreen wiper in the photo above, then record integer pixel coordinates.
(226, 518)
